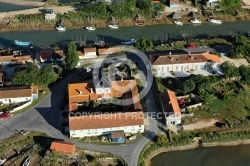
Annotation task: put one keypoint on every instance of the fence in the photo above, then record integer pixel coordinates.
(194, 106)
(21, 107)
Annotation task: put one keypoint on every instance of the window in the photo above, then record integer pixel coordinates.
(167, 68)
(176, 67)
(95, 132)
(27, 99)
(140, 126)
(6, 99)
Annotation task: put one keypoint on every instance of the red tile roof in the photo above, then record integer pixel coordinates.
(127, 89)
(63, 147)
(97, 121)
(170, 102)
(46, 54)
(14, 92)
(93, 49)
(185, 58)
(174, 1)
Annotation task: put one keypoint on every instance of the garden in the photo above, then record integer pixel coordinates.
(224, 97)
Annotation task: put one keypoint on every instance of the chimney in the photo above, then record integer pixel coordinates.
(207, 51)
(80, 92)
(91, 90)
(122, 79)
(170, 53)
(189, 53)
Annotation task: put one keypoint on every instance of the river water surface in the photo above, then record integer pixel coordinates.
(154, 32)
(214, 156)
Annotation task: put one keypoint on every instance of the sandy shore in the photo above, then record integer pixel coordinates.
(21, 2)
(194, 145)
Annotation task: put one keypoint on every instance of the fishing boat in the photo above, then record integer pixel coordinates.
(196, 21)
(131, 41)
(2, 161)
(21, 43)
(61, 28)
(178, 22)
(113, 26)
(214, 21)
(26, 161)
(91, 28)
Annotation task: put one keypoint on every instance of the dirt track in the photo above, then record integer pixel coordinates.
(21, 2)
(57, 9)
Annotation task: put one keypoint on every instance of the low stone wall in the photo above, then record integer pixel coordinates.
(21, 107)
(194, 106)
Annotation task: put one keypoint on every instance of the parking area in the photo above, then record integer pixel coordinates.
(236, 62)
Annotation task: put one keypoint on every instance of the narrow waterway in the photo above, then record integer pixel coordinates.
(154, 32)
(7, 7)
(215, 156)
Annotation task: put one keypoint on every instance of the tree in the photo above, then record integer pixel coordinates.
(71, 58)
(230, 3)
(144, 44)
(46, 76)
(145, 6)
(31, 75)
(162, 139)
(245, 73)
(26, 76)
(229, 70)
(188, 86)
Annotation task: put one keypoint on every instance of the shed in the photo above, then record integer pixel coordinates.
(173, 3)
(63, 147)
(117, 136)
(49, 14)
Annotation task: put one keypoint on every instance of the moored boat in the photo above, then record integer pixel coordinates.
(113, 26)
(61, 28)
(131, 41)
(178, 22)
(21, 43)
(91, 28)
(214, 21)
(196, 21)
(26, 161)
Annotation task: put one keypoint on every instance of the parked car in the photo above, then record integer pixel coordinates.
(4, 115)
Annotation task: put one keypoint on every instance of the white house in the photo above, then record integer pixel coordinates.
(170, 107)
(97, 124)
(9, 95)
(163, 65)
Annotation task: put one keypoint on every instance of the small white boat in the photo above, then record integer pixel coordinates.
(26, 161)
(196, 21)
(131, 41)
(113, 26)
(91, 28)
(178, 22)
(214, 21)
(2, 161)
(61, 28)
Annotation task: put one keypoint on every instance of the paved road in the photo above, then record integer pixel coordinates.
(44, 118)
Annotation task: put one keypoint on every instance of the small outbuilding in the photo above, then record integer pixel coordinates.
(117, 136)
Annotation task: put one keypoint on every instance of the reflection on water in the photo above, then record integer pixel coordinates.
(216, 156)
(6, 7)
(154, 32)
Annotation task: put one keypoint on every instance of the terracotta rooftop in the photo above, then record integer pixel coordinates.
(63, 147)
(169, 102)
(117, 134)
(174, 1)
(93, 49)
(14, 92)
(110, 120)
(184, 58)
(24, 58)
(109, 50)
(125, 89)
(46, 54)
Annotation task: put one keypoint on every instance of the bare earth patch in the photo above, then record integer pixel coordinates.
(201, 124)
(236, 62)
